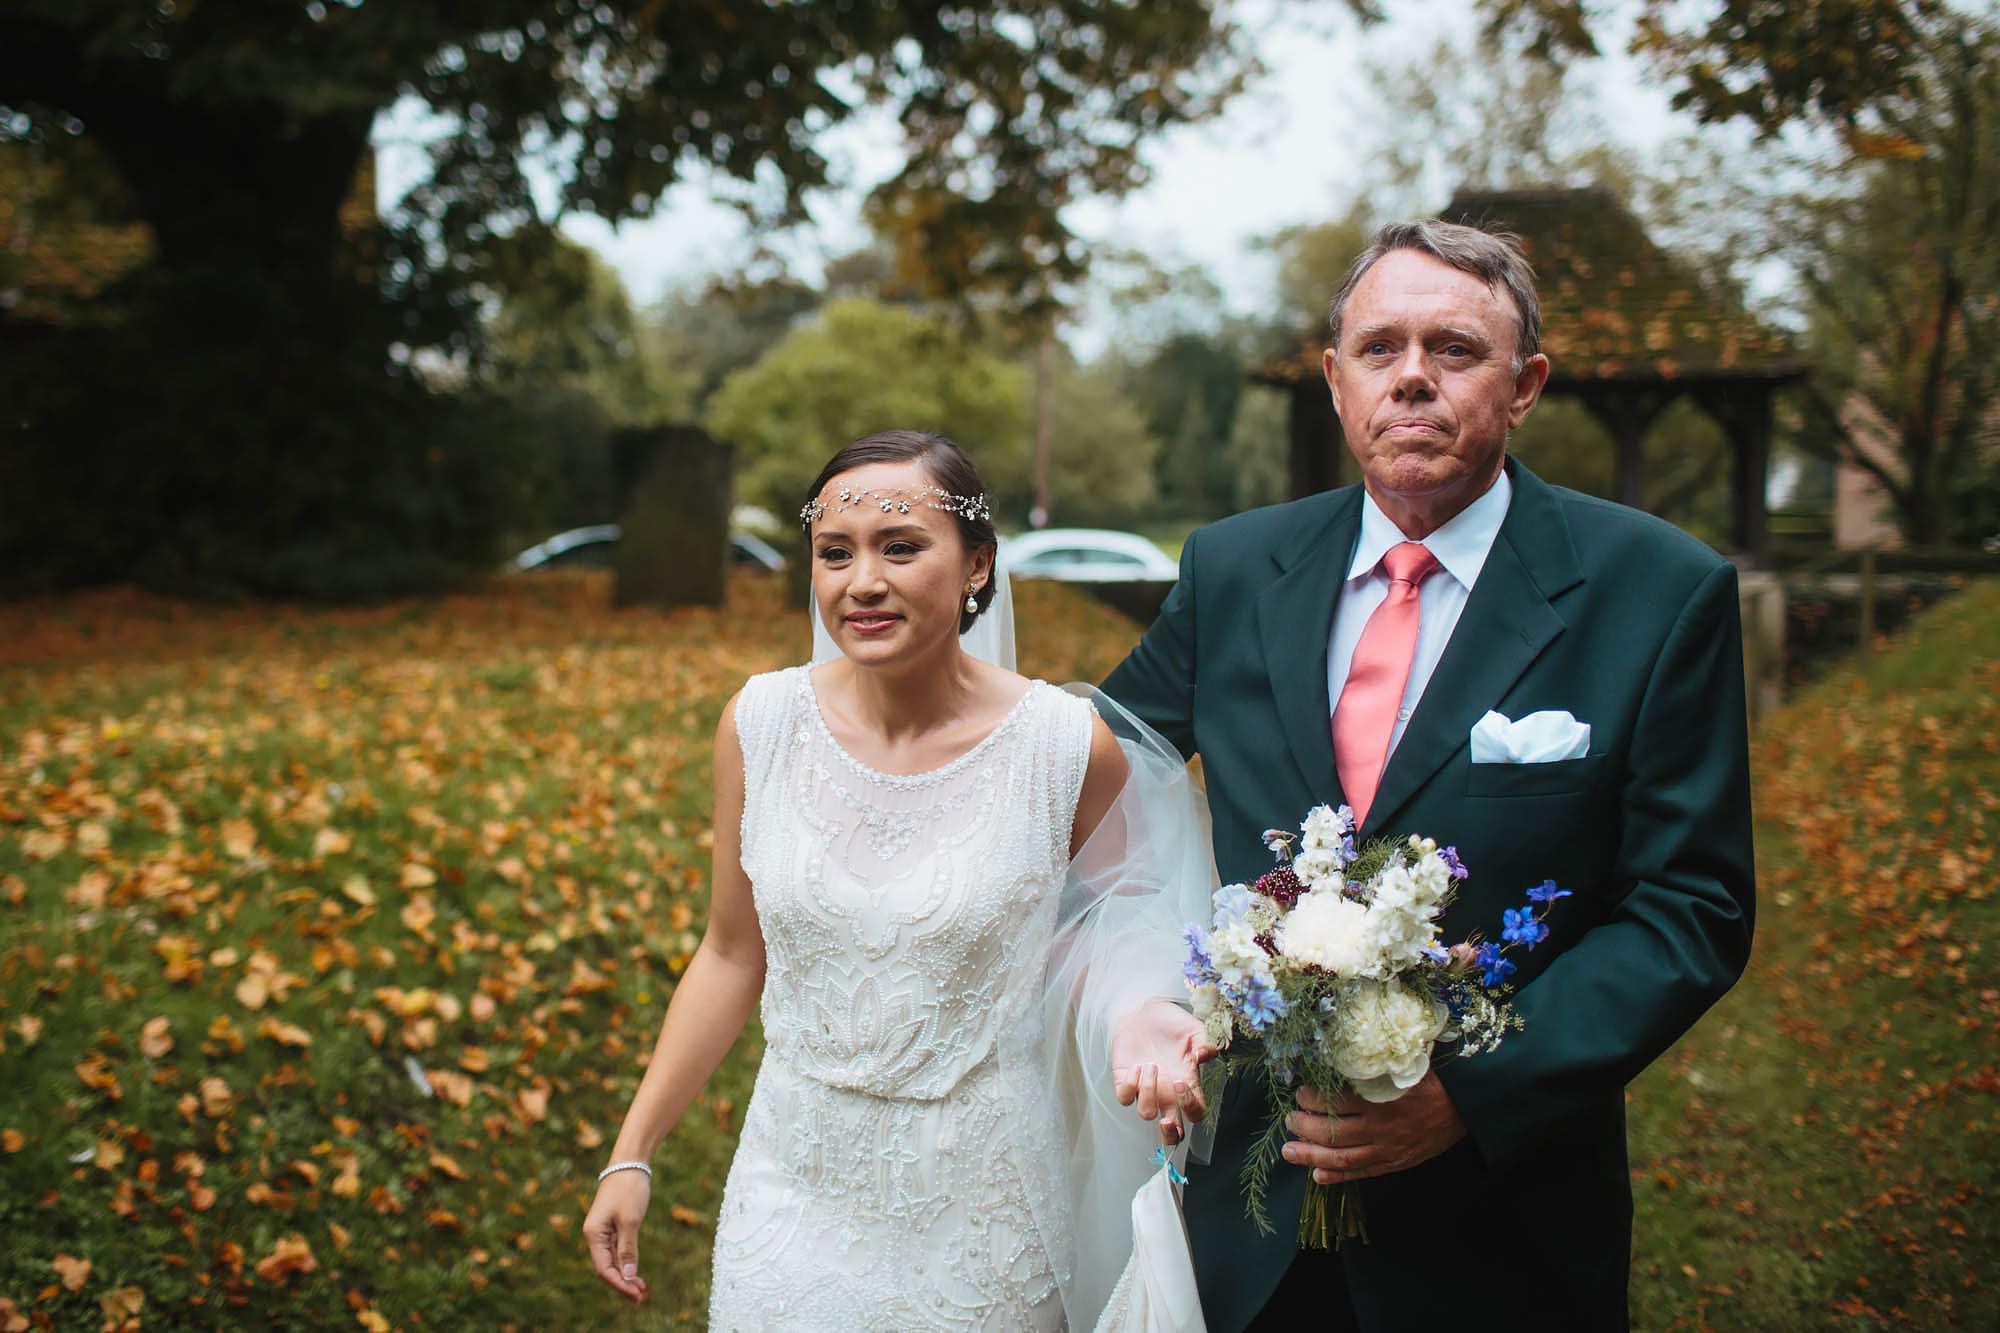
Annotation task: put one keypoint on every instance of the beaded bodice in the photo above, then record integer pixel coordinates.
(899, 911)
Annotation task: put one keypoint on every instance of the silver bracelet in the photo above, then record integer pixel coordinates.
(625, 1166)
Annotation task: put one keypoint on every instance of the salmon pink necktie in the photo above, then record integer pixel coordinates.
(1365, 717)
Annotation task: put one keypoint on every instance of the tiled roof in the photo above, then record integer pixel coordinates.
(1615, 307)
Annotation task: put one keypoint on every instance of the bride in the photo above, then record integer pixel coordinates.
(957, 894)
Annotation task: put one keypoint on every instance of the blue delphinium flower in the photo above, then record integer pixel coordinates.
(1546, 892)
(1519, 926)
(1497, 966)
(1449, 855)
(1347, 852)
(1199, 969)
(1262, 1005)
(1232, 905)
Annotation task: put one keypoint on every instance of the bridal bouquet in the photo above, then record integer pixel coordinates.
(1332, 962)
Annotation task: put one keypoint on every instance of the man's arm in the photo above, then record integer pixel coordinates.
(1156, 679)
(1676, 934)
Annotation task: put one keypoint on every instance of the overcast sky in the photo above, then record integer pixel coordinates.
(1285, 152)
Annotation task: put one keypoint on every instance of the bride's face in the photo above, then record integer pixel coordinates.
(890, 585)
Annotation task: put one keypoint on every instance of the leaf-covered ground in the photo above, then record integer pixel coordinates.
(332, 944)
(1820, 1153)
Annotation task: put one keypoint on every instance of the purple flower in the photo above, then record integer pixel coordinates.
(1346, 817)
(1521, 927)
(1497, 967)
(1449, 855)
(1546, 892)
(1199, 969)
(1262, 1005)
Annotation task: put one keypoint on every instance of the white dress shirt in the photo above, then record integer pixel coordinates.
(1460, 547)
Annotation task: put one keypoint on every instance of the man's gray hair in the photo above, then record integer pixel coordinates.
(1494, 257)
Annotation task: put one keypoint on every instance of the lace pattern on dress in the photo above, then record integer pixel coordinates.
(891, 1171)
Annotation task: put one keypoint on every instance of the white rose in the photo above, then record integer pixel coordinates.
(1328, 931)
(1383, 1046)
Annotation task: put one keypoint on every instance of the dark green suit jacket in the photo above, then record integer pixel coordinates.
(1628, 624)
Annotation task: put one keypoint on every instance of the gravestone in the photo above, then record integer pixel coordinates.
(673, 545)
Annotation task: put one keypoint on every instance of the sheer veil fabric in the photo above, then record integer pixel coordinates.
(1116, 941)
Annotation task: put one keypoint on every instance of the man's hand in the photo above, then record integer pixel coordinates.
(1355, 1138)
(1156, 1059)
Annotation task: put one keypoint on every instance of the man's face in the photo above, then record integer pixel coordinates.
(1424, 381)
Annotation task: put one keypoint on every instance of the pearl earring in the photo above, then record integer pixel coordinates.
(971, 601)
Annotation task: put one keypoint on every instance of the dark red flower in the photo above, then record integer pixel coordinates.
(1282, 886)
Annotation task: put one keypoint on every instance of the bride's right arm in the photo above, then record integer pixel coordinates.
(710, 1005)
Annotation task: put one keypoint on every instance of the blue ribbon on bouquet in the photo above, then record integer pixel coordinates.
(1160, 1158)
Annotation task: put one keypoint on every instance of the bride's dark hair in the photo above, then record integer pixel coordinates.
(949, 470)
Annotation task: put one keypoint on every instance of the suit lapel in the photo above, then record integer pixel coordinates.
(1295, 615)
(1507, 621)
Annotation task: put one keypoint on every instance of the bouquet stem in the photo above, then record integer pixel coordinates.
(1332, 1215)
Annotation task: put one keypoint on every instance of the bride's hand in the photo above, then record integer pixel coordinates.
(1156, 1059)
(612, 1231)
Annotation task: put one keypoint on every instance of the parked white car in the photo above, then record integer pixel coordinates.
(1086, 555)
(591, 546)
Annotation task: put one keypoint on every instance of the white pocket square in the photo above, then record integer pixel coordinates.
(1538, 738)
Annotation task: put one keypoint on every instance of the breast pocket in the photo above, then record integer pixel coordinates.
(1564, 777)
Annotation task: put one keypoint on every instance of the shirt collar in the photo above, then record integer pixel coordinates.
(1461, 545)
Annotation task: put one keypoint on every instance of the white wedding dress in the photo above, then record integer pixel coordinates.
(899, 1163)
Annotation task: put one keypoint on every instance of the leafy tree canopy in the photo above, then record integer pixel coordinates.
(1010, 110)
(857, 368)
(1901, 281)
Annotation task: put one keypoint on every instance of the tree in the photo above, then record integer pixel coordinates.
(859, 367)
(1902, 287)
(564, 321)
(1770, 62)
(1102, 455)
(239, 130)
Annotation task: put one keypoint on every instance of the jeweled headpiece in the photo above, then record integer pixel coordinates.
(897, 500)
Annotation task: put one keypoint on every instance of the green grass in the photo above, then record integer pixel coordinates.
(471, 832)
(255, 863)
(1819, 1152)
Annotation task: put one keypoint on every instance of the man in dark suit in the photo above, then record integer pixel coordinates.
(1496, 1190)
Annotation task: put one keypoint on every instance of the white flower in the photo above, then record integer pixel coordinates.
(1383, 1044)
(1238, 958)
(1218, 1029)
(1432, 877)
(1402, 908)
(1328, 931)
(1207, 1001)
(1324, 828)
(1320, 868)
